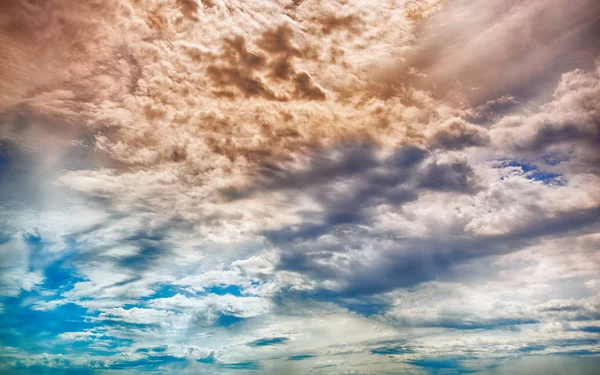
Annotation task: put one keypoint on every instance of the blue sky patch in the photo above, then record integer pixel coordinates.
(301, 357)
(38, 330)
(246, 365)
(269, 341)
(226, 320)
(533, 173)
(221, 290)
(391, 350)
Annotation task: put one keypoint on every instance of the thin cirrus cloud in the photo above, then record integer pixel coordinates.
(313, 186)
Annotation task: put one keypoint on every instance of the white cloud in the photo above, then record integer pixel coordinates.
(212, 304)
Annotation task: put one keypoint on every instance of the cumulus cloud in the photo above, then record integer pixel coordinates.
(242, 307)
(456, 134)
(566, 127)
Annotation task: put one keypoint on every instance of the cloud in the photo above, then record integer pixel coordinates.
(234, 186)
(13, 255)
(348, 182)
(189, 8)
(456, 134)
(122, 94)
(346, 258)
(136, 315)
(582, 365)
(82, 66)
(483, 50)
(212, 305)
(569, 120)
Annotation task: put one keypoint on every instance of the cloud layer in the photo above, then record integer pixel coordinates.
(299, 186)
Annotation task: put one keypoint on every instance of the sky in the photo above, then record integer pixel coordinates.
(299, 187)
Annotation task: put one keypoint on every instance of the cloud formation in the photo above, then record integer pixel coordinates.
(225, 186)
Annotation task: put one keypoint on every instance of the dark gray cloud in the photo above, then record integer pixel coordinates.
(448, 177)
(548, 135)
(403, 262)
(457, 135)
(368, 181)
